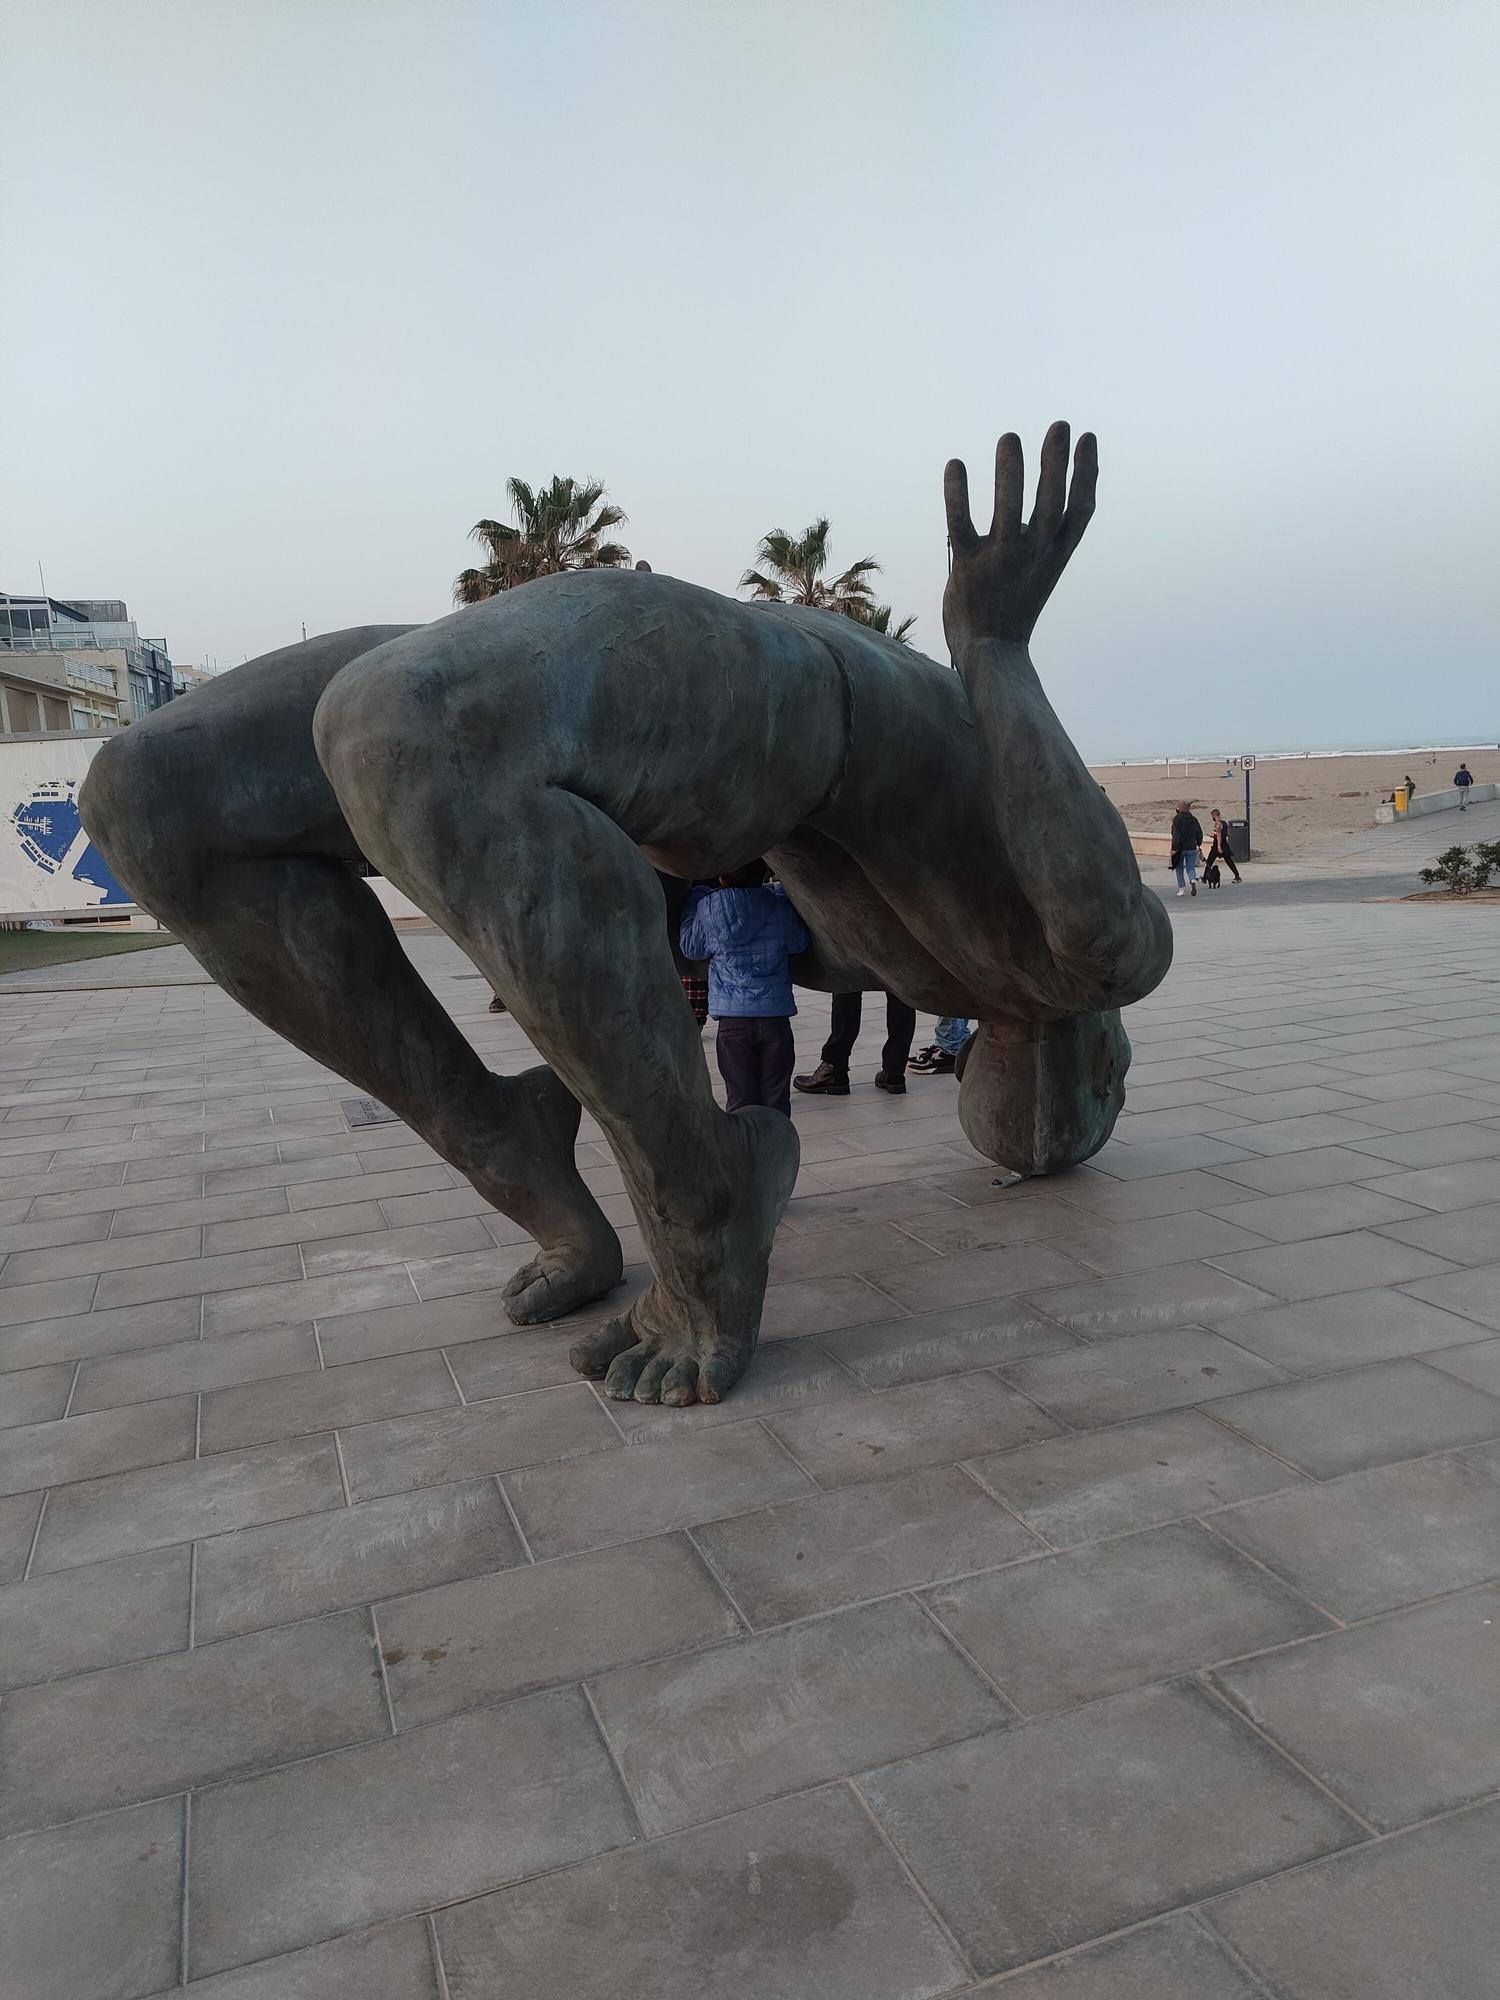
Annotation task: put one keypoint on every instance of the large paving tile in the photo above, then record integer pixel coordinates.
(194, 1276)
(1191, 1154)
(422, 1243)
(1135, 1302)
(89, 1912)
(18, 1235)
(969, 1275)
(1474, 1294)
(191, 1365)
(261, 1305)
(788, 1900)
(1438, 1146)
(1116, 1249)
(270, 1575)
(1378, 1539)
(1052, 1834)
(1349, 1263)
(20, 1305)
(433, 1448)
(306, 1226)
(818, 1305)
(955, 1341)
(863, 1541)
(18, 1518)
(1312, 1171)
(1133, 1475)
(504, 1364)
(1070, 1628)
(345, 1840)
(924, 1424)
(651, 1488)
(35, 1395)
(1414, 1918)
(70, 1260)
(1138, 1375)
(1400, 1717)
(37, 1455)
(391, 1963)
(132, 1511)
(161, 1725)
(81, 1335)
(357, 1393)
(216, 1208)
(407, 1327)
(492, 1637)
(697, 1737)
(1479, 1364)
(1175, 1195)
(997, 1223)
(1362, 1417)
(1329, 1211)
(94, 1617)
(1175, 1959)
(1295, 1135)
(1462, 1235)
(1463, 1184)
(1346, 1330)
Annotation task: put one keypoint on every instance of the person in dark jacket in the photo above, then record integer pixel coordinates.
(1187, 838)
(1218, 843)
(747, 930)
(1463, 777)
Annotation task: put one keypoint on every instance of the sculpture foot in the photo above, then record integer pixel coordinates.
(560, 1280)
(689, 1337)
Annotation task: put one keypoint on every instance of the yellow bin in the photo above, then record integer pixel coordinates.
(1403, 798)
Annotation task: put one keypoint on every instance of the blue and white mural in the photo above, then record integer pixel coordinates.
(47, 861)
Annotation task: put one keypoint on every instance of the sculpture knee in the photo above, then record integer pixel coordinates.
(1039, 1097)
(143, 804)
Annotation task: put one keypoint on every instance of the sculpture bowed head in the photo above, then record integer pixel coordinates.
(528, 768)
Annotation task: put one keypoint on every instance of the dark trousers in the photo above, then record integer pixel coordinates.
(1220, 852)
(900, 1026)
(756, 1059)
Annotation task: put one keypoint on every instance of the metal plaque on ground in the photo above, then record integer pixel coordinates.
(367, 1111)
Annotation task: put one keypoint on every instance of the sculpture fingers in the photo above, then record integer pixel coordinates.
(1010, 482)
(1051, 484)
(956, 499)
(1080, 496)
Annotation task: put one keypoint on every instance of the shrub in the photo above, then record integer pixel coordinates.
(1463, 870)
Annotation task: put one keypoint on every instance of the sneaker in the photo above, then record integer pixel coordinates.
(1182, 892)
(924, 1059)
(896, 1085)
(1194, 890)
(941, 1064)
(825, 1081)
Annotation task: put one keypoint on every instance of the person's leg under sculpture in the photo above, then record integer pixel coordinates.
(951, 1033)
(843, 1031)
(778, 1058)
(739, 1062)
(218, 818)
(900, 1027)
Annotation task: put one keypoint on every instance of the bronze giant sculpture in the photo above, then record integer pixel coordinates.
(519, 769)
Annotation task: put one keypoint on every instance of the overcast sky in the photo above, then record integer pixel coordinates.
(291, 286)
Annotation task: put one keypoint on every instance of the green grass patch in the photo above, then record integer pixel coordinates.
(20, 950)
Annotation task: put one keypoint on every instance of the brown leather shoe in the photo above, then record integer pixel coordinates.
(825, 1081)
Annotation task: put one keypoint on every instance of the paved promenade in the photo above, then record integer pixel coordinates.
(1091, 1595)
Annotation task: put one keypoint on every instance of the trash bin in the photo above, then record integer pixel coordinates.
(1239, 838)
(1401, 798)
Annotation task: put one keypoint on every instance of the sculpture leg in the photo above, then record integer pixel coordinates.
(563, 913)
(300, 941)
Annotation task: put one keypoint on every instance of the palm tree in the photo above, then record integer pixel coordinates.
(878, 618)
(792, 573)
(561, 526)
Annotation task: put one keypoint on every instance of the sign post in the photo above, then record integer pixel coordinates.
(1249, 764)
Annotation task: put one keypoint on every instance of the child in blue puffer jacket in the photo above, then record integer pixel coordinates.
(747, 929)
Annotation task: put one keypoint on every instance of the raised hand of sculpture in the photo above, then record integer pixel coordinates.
(520, 769)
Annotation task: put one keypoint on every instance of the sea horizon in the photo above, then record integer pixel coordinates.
(1287, 755)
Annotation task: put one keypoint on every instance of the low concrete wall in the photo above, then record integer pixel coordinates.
(1157, 845)
(1447, 801)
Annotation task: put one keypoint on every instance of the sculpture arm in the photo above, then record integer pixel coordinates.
(1110, 940)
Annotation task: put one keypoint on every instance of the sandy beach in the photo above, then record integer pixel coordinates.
(1297, 803)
